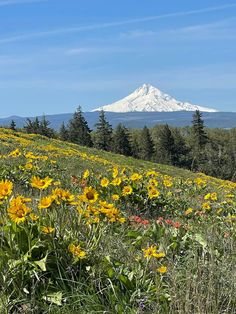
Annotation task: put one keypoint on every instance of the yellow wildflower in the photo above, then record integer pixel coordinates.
(48, 230)
(90, 195)
(18, 211)
(162, 269)
(5, 189)
(127, 190)
(39, 183)
(77, 251)
(86, 174)
(104, 182)
(153, 193)
(45, 202)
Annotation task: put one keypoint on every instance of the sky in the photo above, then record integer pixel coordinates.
(58, 54)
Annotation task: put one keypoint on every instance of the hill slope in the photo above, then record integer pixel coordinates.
(85, 231)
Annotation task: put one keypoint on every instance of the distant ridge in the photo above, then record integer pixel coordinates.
(148, 98)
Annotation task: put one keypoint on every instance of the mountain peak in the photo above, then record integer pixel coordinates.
(149, 98)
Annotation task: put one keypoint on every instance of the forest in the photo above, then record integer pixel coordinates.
(197, 148)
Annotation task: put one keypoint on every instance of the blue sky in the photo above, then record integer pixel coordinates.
(58, 54)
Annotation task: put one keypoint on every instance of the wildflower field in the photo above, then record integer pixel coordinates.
(85, 231)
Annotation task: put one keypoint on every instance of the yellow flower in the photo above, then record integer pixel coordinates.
(214, 196)
(206, 205)
(116, 181)
(153, 193)
(127, 190)
(39, 183)
(167, 181)
(153, 182)
(188, 211)
(34, 217)
(104, 182)
(162, 269)
(136, 177)
(90, 195)
(159, 255)
(18, 210)
(150, 251)
(200, 182)
(207, 196)
(48, 230)
(15, 153)
(5, 189)
(115, 197)
(115, 172)
(77, 251)
(86, 174)
(45, 202)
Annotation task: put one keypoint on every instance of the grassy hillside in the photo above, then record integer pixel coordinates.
(85, 231)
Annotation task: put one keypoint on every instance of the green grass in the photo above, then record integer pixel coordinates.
(38, 274)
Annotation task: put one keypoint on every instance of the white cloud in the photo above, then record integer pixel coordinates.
(59, 31)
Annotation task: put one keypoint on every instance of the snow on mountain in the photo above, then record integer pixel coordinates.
(148, 98)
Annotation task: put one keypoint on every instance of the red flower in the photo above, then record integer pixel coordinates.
(176, 224)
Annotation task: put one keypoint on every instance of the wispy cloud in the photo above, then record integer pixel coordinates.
(91, 50)
(60, 31)
(17, 2)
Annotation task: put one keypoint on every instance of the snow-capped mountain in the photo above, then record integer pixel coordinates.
(148, 98)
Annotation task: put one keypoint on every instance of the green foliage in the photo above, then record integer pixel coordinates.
(79, 132)
(103, 133)
(13, 125)
(198, 130)
(121, 143)
(63, 133)
(39, 127)
(146, 145)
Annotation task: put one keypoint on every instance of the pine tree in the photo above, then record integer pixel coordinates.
(167, 146)
(13, 125)
(44, 128)
(198, 130)
(63, 133)
(146, 145)
(121, 142)
(32, 126)
(103, 134)
(199, 141)
(79, 132)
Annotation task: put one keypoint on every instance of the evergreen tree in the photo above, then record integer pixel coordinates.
(39, 127)
(44, 128)
(32, 126)
(181, 151)
(13, 125)
(121, 142)
(198, 129)
(79, 132)
(146, 145)
(63, 133)
(167, 146)
(199, 141)
(103, 134)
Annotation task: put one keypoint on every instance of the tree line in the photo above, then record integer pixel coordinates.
(212, 151)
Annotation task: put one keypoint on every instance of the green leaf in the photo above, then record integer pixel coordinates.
(199, 238)
(42, 263)
(54, 298)
(126, 282)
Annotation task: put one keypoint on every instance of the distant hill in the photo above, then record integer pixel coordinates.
(139, 119)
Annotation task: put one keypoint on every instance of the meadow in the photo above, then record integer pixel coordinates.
(88, 231)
